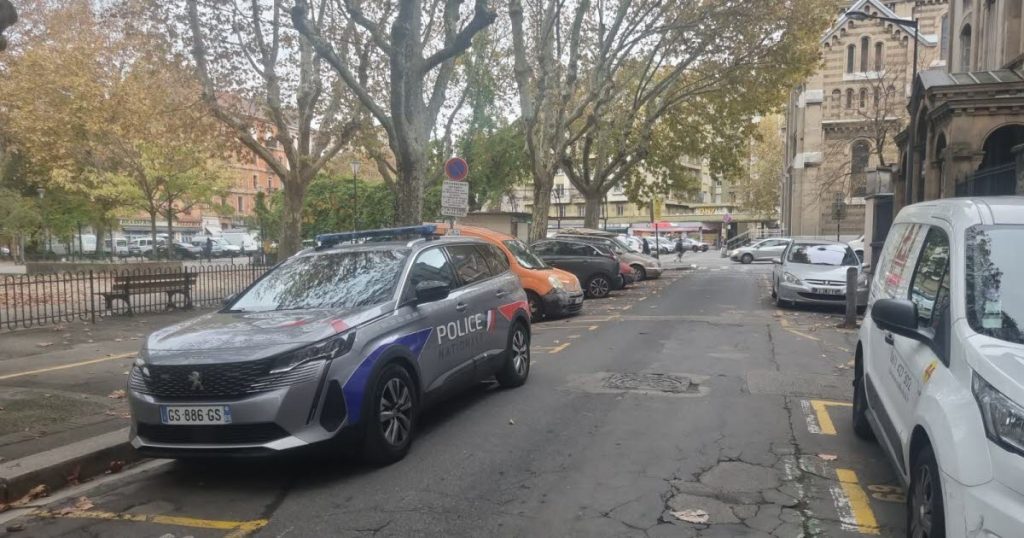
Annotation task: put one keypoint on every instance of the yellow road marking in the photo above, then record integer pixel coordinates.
(239, 529)
(785, 326)
(860, 515)
(66, 366)
(824, 419)
(559, 348)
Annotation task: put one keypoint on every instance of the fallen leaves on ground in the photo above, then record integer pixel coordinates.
(116, 395)
(828, 457)
(692, 516)
(44, 344)
(81, 504)
(42, 490)
(72, 477)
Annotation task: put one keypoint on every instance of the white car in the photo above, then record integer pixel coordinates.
(765, 249)
(939, 366)
(814, 272)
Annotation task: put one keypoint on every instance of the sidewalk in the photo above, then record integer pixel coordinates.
(64, 384)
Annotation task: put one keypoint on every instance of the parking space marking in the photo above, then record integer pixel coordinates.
(852, 503)
(559, 348)
(818, 419)
(561, 327)
(66, 366)
(785, 326)
(237, 529)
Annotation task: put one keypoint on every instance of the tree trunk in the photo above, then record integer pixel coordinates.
(291, 218)
(170, 229)
(410, 191)
(152, 229)
(592, 209)
(541, 207)
(100, 228)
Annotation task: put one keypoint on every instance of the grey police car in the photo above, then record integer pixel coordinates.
(341, 341)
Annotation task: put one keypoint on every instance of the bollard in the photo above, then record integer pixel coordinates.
(851, 298)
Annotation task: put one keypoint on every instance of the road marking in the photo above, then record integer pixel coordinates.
(785, 326)
(66, 366)
(823, 425)
(852, 503)
(644, 298)
(559, 348)
(239, 529)
(559, 327)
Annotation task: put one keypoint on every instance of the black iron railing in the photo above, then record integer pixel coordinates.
(36, 300)
(995, 181)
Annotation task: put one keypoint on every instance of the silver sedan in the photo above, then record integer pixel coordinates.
(814, 272)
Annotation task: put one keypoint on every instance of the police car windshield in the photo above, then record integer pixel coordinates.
(995, 281)
(818, 254)
(343, 280)
(524, 256)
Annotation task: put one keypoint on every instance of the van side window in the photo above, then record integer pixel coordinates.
(929, 287)
(896, 262)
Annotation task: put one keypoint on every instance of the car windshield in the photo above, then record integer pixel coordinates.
(995, 281)
(524, 255)
(624, 245)
(818, 254)
(343, 280)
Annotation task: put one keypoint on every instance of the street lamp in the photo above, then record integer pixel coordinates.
(46, 229)
(355, 190)
(558, 207)
(863, 16)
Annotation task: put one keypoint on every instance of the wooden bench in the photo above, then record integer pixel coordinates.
(169, 283)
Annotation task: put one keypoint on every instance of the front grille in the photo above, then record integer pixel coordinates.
(227, 434)
(228, 380)
(814, 282)
(821, 296)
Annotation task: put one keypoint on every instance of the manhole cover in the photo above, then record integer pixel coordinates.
(672, 384)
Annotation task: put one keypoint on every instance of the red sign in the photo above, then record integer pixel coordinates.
(456, 169)
(727, 218)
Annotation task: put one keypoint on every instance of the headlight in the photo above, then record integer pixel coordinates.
(140, 363)
(1004, 419)
(556, 283)
(789, 278)
(323, 350)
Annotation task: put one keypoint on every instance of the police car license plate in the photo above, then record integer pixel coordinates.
(829, 291)
(191, 415)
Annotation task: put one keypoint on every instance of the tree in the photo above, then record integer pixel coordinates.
(594, 87)
(418, 42)
(759, 187)
(265, 83)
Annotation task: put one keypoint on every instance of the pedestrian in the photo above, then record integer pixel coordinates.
(209, 249)
(679, 248)
(647, 247)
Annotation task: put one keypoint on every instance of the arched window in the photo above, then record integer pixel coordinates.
(965, 48)
(865, 48)
(837, 98)
(879, 56)
(863, 97)
(860, 155)
(851, 53)
(849, 98)
(944, 40)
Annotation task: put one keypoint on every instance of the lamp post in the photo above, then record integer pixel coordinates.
(908, 173)
(46, 228)
(558, 206)
(355, 193)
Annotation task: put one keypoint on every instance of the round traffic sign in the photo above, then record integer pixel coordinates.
(727, 218)
(456, 169)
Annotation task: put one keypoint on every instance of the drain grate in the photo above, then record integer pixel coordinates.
(669, 383)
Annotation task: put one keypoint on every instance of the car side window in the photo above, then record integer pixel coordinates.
(894, 266)
(470, 265)
(543, 248)
(579, 249)
(495, 258)
(929, 285)
(431, 265)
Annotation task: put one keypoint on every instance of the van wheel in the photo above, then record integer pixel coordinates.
(861, 426)
(536, 306)
(747, 258)
(517, 358)
(926, 515)
(391, 423)
(641, 273)
(599, 286)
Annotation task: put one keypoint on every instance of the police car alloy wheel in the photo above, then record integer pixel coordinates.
(599, 286)
(517, 364)
(391, 427)
(926, 517)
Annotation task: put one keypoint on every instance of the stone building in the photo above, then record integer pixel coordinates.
(842, 122)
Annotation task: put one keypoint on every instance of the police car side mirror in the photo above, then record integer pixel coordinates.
(429, 291)
(898, 316)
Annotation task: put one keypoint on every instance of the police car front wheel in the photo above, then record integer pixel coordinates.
(517, 358)
(392, 425)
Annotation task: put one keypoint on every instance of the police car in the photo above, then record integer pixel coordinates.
(939, 370)
(348, 340)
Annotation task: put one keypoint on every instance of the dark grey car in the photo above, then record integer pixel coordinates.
(349, 340)
(596, 269)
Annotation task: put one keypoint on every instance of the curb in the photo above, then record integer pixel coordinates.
(89, 458)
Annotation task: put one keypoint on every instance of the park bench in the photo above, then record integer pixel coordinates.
(169, 283)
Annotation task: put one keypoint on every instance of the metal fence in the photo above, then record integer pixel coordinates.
(995, 181)
(36, 300)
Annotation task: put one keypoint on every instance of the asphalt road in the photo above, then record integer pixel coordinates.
(686, 398)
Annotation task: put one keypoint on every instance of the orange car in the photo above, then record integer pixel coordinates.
(552, 292)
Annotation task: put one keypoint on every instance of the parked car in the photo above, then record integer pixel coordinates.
(858, 246)
(120, 247)
(376, 333)
(550, 291)
(765, 249)
(642, 265)
(939, 365)
(179, 250)
(596, 269)
(635, 243)
(661, 244)
(698, 245)
(5, 252)
(140, 247)
(220, 247)
(814, 272)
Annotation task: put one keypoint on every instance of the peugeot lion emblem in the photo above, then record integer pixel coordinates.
(196, 379)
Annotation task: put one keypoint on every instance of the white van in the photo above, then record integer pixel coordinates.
(243, 240)
(939, 376)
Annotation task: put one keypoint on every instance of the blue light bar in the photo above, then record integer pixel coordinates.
(329, 240)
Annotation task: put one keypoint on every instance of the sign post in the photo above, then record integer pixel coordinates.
(455, 190)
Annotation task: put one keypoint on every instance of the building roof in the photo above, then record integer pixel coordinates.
(931, 78)
(883, 11)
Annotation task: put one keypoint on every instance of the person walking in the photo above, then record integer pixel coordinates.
(647, 247)
(679, 249)
(209, 249)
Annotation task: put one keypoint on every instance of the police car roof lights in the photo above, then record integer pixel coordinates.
(329, 240)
